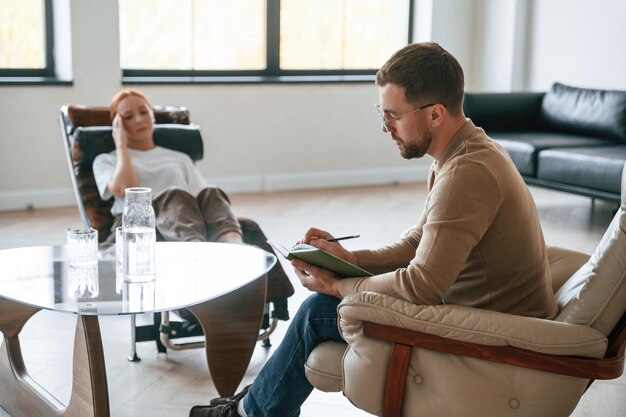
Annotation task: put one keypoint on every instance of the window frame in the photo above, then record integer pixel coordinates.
(48, 71)
(271, 74)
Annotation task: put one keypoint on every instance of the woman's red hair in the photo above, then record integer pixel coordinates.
(121, 95)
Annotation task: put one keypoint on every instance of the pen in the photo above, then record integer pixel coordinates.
(335, 239)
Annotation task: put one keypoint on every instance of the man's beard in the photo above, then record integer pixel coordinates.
(416, 148)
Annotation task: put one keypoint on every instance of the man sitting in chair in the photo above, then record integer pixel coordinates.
(186, 208)
(477, 243)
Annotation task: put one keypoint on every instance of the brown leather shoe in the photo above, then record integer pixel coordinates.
(228, 409)
(236, 398)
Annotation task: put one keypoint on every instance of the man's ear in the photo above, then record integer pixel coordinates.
(438, 114)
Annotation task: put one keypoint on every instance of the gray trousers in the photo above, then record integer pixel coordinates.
(181, 217)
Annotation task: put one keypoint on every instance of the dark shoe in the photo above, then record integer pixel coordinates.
(228, 409)
(235, 398)
(220, 407)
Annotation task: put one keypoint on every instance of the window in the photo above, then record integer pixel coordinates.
(338, 34)
(26, 38)
(260, 38)
(192, 34)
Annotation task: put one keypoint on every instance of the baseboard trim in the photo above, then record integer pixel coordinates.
(41, 198)
(347, 178)
(321, 179)
(64, 197)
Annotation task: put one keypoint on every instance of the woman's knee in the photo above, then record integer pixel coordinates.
(173, 193)
(176, 191)
(213, 193)
(175, 200)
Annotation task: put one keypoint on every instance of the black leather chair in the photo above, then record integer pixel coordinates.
(86, 132)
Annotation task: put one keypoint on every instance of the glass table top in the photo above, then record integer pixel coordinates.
(186, 274)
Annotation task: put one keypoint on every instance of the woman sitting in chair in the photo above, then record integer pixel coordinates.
(186, 208)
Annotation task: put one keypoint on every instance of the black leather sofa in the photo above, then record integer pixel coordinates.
(568, 139)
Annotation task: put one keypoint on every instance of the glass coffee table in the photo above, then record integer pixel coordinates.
(223, 285)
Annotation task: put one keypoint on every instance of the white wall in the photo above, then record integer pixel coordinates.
(267, 137)
(494, 32)
(578, 42)
(453, 28)
(530, 44)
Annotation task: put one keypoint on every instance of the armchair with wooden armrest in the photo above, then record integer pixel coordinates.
(403, 359)
(86, 133)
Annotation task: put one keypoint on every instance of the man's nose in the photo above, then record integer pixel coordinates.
(385, 127)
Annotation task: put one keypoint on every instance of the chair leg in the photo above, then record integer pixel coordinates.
(159, 332)
(396, 380)
(156, 323)
(132, 356)
(267, 327)
(164, 337)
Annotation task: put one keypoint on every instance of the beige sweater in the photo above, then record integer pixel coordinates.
(477, 243)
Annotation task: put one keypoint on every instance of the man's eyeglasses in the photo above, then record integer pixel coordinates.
(386, 120)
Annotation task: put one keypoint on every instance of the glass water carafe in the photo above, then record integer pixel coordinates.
(139, 235)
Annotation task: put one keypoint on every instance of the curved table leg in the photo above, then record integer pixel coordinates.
(21, 396)
(231, 327)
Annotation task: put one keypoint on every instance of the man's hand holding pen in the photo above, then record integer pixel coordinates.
(337, 239)
(318, 279)
(325, 241)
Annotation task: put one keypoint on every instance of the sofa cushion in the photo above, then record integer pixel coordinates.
(597, 167)
(524, 146)
(585, 111)
(505, 112)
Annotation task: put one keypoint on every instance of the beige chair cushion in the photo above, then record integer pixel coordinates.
(596, 295)
(323, 367)
(563, 264)
(471, 325)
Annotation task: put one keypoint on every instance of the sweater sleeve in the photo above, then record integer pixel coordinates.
(460, 209)
(394, 256)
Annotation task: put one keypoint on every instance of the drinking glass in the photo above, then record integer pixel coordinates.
(82, 281)
(82, 257)
(82, 247)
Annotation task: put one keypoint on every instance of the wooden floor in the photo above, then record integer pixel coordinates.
(168, 385)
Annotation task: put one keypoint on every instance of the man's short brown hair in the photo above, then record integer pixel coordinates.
(428, 73)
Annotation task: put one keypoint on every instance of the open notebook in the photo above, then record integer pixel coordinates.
(320, 258)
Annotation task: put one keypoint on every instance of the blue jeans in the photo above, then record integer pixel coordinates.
(281, 387)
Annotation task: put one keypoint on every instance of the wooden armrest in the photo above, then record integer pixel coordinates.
(589, 368)
(609, 367)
